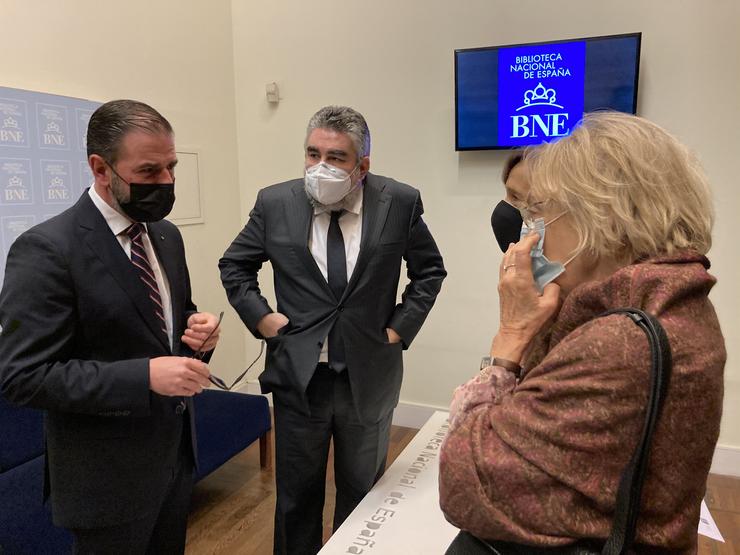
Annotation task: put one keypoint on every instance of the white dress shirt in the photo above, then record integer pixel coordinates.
(350, 222)
(118, 224)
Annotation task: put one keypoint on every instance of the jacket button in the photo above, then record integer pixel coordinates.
(340, 308)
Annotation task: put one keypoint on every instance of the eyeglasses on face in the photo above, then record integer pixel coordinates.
(531, 211)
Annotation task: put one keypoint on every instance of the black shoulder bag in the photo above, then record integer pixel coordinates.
(627, 507)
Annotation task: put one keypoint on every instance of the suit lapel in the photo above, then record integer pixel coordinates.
(104, 244)
(375, 205)
(300, 218)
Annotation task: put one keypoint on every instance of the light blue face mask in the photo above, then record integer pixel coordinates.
(543, 270)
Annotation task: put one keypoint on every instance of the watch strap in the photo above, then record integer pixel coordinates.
(509, 365)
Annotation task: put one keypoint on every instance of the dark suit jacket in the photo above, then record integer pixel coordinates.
(392, 229)
(78, 333)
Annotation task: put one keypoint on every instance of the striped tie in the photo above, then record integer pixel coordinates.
(140, 260)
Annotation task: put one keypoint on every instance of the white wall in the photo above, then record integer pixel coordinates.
(176, 56)
(393, 61)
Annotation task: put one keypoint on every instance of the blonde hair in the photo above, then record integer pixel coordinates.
(631, 188)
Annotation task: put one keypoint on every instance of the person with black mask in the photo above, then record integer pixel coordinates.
(506, 220)
(97, 328)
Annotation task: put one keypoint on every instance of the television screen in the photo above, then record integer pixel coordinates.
(517, 95)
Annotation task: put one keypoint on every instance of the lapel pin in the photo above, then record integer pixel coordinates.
(161, 237)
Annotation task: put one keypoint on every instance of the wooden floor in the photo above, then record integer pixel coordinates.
(232, 509)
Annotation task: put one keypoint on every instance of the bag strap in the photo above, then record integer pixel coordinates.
(630, 485)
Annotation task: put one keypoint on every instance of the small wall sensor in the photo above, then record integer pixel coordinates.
(272, 93)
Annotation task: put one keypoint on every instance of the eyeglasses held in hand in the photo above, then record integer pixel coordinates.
(200, 353)
(215, 380)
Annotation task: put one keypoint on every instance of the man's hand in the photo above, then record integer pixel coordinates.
(271, 323)
(393, 337)
(177, 376)
(200, 325)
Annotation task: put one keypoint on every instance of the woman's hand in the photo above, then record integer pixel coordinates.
(523, 310)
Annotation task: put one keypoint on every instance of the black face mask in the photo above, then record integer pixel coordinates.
(506, 222)
(149, 202)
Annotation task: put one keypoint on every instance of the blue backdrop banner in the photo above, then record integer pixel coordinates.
(43, 159)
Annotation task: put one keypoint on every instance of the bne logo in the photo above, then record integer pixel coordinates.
(57, 190)
(10, 132)
(53, 134)
(549, 124)
(15, 190)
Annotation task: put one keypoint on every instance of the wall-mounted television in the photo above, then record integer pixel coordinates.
(522, 94)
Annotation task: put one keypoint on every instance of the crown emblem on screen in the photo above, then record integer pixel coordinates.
(539, 96)
(57, 182)
(15, 181)
(53, 127)
(10, 123)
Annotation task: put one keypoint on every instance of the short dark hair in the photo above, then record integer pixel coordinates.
(111, 121)
(343, 119)
(514, 158)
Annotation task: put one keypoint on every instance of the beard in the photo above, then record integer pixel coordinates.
(120, 192)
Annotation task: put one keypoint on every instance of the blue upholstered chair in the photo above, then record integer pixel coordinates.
(25, 522)
(226, 424)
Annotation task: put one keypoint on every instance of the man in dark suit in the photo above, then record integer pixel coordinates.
(335, 240)
(97, 325)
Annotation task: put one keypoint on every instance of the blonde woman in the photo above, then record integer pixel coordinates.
(618, 214)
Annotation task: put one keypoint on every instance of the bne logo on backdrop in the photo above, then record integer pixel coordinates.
(56, 177)
(15, 177)
(10, 131)
(57, 190)
(540, 92)
(52, 122)
(13, 120)
(16, 190)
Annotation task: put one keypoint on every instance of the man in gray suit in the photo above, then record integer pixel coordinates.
(335, 239)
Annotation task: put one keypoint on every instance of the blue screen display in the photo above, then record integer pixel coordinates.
(511, 96)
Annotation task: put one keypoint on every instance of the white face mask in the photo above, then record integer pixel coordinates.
(328, 184)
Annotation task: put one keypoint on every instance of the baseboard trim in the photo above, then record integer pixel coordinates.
(726, 460)
(409, 415)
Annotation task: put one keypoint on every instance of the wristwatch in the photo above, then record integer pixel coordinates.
(509, 365)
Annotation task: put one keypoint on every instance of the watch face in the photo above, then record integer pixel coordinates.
(485, 362)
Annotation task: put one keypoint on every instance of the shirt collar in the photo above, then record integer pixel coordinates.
(117, 222)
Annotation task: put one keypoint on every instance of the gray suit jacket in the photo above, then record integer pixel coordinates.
(392, 229)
